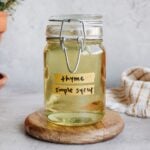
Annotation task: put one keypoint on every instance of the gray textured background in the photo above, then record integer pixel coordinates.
(126, 37)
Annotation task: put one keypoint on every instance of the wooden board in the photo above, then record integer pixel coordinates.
(37, 126)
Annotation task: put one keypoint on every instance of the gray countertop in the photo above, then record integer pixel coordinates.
(15, 106)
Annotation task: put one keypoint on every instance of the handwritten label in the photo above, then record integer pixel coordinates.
(73, 90)
(74, 84)
(74, 78)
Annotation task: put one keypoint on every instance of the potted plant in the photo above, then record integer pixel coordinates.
(6, 6)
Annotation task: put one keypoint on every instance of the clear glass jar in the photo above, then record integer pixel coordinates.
(74, 70)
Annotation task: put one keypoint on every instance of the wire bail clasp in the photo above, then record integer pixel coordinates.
(81, 42)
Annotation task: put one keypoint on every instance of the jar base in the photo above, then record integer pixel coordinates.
(75, 118)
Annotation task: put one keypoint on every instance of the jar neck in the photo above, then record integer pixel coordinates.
(72, 44)
(74, 41)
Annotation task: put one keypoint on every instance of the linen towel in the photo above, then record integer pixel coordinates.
(133, 97)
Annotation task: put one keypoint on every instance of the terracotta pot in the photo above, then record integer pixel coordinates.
(3, 22)
(3, 79)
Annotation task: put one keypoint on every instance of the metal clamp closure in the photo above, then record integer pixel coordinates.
(80, 40)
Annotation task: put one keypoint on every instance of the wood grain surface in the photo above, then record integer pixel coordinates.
(37, 126)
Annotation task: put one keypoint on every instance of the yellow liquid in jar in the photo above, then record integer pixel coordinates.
(74, 110)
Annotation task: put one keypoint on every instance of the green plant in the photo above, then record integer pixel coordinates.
(8, 5)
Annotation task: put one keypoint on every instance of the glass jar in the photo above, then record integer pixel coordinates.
(74, 70)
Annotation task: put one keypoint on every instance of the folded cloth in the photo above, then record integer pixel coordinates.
(133, 97)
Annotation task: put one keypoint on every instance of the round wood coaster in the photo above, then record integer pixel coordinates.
(37, 126)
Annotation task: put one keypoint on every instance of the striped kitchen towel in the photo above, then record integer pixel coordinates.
(133, 97)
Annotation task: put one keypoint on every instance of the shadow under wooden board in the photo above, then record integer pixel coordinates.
(36, 125)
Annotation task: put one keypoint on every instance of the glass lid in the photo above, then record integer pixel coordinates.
(73, 26)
